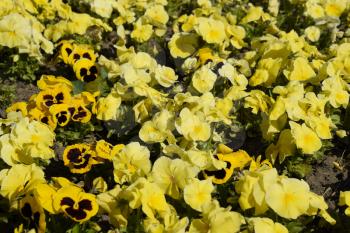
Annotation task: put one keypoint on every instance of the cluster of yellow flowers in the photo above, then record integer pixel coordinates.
(170, 172)
(55, 105)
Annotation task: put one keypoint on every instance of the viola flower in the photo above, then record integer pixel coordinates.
(60, 114)
(203, 79)
(192, 126)
(212, 31)
(197, 194)
(173, 175)
(104, 149)
(262, 225)
(80, 113)
(107, 107)
(79, 158)
(289, 198)
(66, 49)
(19, 180)
(42, 115)
(75, 203)
(85, 70)
(183, 44)
(81, 52)
(33, 138)
(52, 82)
(131, 162)
(233, 161)
(142, 32)
(49, 97)
(31, 210)
(344, 199)
(217, 219)
(18, 107)
(305, 138)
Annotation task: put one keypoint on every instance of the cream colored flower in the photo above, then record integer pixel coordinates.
(203, 79)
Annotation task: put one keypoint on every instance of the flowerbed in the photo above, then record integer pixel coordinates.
(174, 116)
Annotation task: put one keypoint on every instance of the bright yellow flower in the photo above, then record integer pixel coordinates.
(165, 76)
(75, 203)
(142, 32)
(198, 193)
(211, 30)
(305, 138)
(266, 225)
(335, 8)
(313, 33)
(103, 149)
(131, 162)
(79, 158)
(344, 199)
(289, 198)
(301, 71)
(107, 107)
(192, 127)
(19, 180)
(203, 79)
(157, 15)
(217, 220)
(172, 175)
(183, 44)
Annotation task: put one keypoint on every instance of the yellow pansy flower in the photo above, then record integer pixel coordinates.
(344, 199)
(301, 70)
(203, 79)
(31, 210)
(192, 126)
(107, 107)
(335, 8)
(289, 198)
(19, 180)
(217, 219)
(305, 138)
(211, 30)
(18, 107)
(183, 44)
(75, 203)
(313, 33)
(79, 158)
(165, 76)
(198, 193)
(157, 15)
(262, 225)
(60, 114)
(52, 82)
(142, 32)
(172, 175)
(131, 162)
(85, 70)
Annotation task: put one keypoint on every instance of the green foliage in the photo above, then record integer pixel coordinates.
(14, 66)
(7, 94)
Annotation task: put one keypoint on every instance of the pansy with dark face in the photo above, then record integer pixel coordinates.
(79, 158)
(59, 95)
(60, 114)
(80, 113)
(31, 210)
(75, 203)
(42, 115)
(66, 50)
(220, 176)
(85, 70)
(81, 52)
(234, 160)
